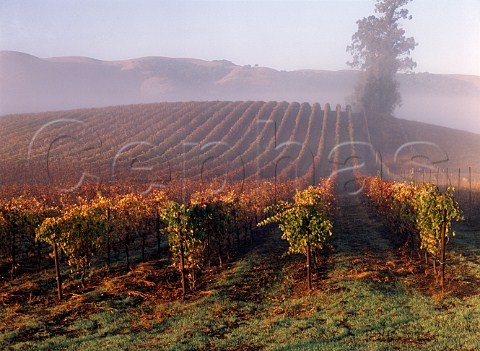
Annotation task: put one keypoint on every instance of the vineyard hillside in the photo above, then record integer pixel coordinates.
(226, 140)
(129, 228)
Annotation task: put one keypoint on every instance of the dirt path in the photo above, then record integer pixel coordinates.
(365, 249)
(362, 248)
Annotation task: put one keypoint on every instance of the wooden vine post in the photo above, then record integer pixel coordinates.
(157, 228)
(469, 195)
(57, 271)
(442, 248)
(107, 231)
(309, 272)
(182, 266)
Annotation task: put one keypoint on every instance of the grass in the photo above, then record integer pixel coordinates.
(366, 297)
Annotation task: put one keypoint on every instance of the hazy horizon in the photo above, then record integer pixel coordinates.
(31, 84)
(284, 35)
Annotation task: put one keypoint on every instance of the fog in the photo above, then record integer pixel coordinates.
(31, 84)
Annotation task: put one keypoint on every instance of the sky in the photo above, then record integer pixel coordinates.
(285, 35)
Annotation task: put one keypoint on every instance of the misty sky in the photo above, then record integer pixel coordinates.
(285, 35)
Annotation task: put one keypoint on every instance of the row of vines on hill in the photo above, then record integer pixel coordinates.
(202, 231)
(241, 139)
(205, 230)
(419, 212)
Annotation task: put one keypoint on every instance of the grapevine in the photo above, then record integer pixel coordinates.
(419, 212)
(306, 222)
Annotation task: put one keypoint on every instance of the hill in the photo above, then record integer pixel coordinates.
(155, 143)
(248, 293)
(32, 84)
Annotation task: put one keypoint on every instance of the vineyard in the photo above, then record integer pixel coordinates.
(236, 225)
(157, 143)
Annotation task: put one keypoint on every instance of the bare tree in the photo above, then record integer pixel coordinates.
(380, 49)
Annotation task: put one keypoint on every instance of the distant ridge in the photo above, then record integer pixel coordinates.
(32, 84)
